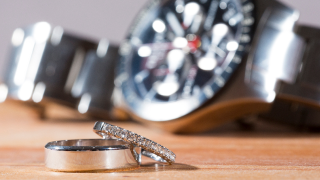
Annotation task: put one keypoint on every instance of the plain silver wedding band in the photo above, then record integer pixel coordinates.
(91, 155)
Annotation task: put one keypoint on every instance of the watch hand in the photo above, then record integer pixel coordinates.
(208, 62)
(141, 76)
(174, 24)
(167, 87)
(214, 49)
(190, 11)
(150, 95)
(193, 17)
(195, 27)
(175, 60)
(170, 84)
(145, 50)
(219, 31)
(211, 15)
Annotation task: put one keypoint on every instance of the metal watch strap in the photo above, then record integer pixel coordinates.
(48, 63)
(299, 103)
(95, 82)
(43, 63)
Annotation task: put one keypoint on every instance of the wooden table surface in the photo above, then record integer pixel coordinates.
(224, 153)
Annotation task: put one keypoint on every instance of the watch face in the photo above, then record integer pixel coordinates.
(179, 54)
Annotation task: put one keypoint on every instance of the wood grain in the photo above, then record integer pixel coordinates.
(225, 153)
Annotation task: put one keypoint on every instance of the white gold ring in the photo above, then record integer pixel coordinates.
(149, 148)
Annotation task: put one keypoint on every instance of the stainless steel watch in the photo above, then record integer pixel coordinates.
(188, 66)
(248, 52)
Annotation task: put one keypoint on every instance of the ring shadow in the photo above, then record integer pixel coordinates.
(144, 168)
(159, 167)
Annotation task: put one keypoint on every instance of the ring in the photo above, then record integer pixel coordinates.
(91, 155)
(150, 148)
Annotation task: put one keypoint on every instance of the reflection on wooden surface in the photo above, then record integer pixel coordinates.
(227, 152)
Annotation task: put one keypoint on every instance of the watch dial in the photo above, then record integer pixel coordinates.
(179, 54)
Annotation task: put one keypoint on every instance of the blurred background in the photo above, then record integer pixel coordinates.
(95, 19)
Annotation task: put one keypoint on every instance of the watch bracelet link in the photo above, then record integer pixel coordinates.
(60, 67)
(297, 104)
(95, 82)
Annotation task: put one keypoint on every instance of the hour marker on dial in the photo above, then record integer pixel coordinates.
(207, 63)
(159, 26)
(232, 46)
(190, 11)
(167, 88)
(179, 8)
(223, 5)
(144, 51)
(208, 91)
(180, 42)
(236, 19)
(220, 30)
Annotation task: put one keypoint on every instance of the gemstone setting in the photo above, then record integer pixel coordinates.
(140, 141)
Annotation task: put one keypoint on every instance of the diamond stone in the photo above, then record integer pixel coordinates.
(171, 158)
(140, 140)
(155, 147)
(166, 153)
(114, 130)
(124, 133)
(147, 143)
(119, 130)
(134, 137)
(151, 145)
(130, 136)
(108, 128)
(162, 150)
(144, 142)
(159, 148)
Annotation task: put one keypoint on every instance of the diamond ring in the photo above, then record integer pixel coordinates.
(149, 148)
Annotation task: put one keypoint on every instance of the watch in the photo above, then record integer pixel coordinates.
(188, 66)
(185, 66)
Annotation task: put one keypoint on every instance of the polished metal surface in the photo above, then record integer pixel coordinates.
(306, 89)
(44, 62)
(95, 82)
(91, 154)
(150, 148)
(277, 53)
(47, 63)
(298, 103)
